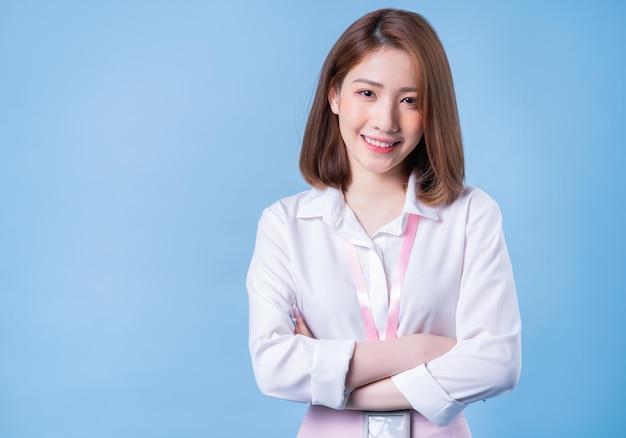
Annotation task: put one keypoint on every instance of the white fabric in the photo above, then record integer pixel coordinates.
(459, 284)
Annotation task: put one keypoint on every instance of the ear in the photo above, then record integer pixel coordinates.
(333, 100)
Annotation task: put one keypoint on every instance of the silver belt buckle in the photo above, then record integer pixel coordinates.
(392, 424)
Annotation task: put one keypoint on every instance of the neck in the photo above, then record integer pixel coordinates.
(375, 200)
(376, 187)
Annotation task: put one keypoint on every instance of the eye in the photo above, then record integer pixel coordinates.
(366, 93)
(410, 100)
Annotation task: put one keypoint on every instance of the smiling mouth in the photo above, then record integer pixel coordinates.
(379, 144)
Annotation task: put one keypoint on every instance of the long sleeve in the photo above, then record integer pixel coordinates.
(288, 366)
(487, 358)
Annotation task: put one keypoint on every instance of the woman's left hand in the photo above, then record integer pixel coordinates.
(301, 327)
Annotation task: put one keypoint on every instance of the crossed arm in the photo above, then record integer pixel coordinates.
(373, 363)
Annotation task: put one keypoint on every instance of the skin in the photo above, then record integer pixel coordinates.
(373, 363)
(380, 124)
(377, 106)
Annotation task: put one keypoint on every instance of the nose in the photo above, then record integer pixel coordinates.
(384, 116)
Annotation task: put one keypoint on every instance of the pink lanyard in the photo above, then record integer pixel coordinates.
(396, 287)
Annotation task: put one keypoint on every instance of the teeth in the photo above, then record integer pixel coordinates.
(380, 144)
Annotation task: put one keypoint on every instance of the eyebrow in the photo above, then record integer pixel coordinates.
(379, 85)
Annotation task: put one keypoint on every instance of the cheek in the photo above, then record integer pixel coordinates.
(413, 123)
(350, 111)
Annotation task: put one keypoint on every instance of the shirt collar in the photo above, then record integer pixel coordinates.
(412, 205)
(329, 204)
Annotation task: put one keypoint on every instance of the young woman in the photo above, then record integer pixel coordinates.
(385, 292)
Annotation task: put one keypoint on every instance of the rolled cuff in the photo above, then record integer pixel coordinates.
(328, 376)
(427, 396)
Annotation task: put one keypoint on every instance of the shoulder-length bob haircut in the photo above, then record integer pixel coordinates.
(438, 157)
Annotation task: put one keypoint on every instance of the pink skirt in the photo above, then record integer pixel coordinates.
(324, 422)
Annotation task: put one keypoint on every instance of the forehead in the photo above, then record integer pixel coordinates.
(386, 65)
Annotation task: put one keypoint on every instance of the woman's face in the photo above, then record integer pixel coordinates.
(378, 113)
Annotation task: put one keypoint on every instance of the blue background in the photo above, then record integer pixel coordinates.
(139, 142)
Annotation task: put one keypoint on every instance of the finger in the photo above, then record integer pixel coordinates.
(300, 326)
(303, 329)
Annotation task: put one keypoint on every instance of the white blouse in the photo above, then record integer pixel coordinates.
(458, 284)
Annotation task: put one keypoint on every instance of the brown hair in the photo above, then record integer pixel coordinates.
(438, 157)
